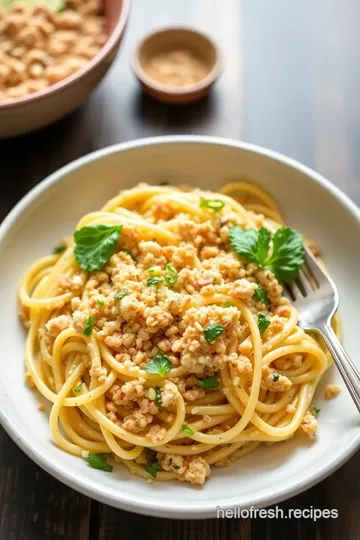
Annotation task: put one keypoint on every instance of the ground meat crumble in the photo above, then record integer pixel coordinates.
(332, 390)
(309, 425)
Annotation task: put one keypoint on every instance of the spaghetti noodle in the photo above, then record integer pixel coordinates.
(158, 356)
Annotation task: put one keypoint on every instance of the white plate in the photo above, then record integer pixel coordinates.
(51, 210)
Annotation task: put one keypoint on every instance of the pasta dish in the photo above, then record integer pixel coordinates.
(161, 337)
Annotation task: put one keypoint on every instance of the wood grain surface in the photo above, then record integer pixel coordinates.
(291, 82)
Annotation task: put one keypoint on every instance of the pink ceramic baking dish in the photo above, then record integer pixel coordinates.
(33, 111)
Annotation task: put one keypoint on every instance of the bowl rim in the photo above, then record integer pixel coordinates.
(137, 504)
(204, 83)
(106, 49)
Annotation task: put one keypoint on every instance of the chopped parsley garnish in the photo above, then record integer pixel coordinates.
(208, 382)
(101, 303)
(287, 252)
(158, 399)
(275, 376)
(316, 410)
(59, 249)
(160, 365)
(187, 429)
(153, 468)
(121, 294)
(89, 326)
(212, 204)
(227, 304)
(154, 281)
(78, 388)
(213, 331)
(262, 295)
(99, 461)
(263, 322)
(171, 275)
(95, 244)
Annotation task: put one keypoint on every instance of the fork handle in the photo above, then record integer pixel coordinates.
(347, 369)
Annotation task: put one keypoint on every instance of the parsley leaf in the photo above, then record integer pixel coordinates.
(158, 398)
(287, 253)
(315, 410)
(187, 429)
(101, 303)
(78, 388)
(59, 249)
(263, 322)
(160, 365)
(208, 382)
(275, 376)
(212, 204)
(153, 468)
(99, 461)
(95, 244)
(171, 275)
(262, 295)
(287, 256)
(213, 331)
(245, 243)
(89, 326)
(121, 294)
(154, 281)
(227, 304)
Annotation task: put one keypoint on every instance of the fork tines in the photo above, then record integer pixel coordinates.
(309, 280)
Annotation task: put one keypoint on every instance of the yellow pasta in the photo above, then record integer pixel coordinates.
(126, 352)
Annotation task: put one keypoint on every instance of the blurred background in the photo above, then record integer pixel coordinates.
(290, 82)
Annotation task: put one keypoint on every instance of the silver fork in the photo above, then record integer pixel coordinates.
(316, 298)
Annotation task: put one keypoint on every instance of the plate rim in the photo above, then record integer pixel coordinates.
(206, 509)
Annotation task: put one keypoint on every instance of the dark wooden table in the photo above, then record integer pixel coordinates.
(291, 83)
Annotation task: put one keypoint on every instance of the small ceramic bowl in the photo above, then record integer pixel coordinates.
(33, 111)
(171, 39)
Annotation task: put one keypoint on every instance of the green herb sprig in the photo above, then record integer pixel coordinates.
(89, 326)
(213, 331)
(158, 398)
(78, 388)
(59, 249)
(208, 383)
(160, 365)
(262, 295)
(263, 322)
(187, 429)
(153, 468)
(99, 461)
(121, 294)
(95, 244)
(154, 281)
(287, 255)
